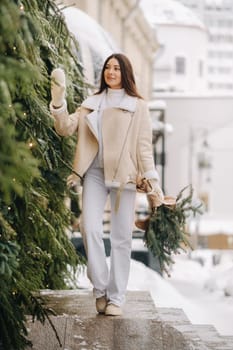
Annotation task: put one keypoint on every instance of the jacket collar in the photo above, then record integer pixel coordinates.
(93, 102)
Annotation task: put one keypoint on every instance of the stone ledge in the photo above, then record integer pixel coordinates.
(141, 327)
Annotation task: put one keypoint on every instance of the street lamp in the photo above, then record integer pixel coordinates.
(160, 128)
(200, 163)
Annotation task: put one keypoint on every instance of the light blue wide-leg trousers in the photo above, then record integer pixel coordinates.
(110, 282)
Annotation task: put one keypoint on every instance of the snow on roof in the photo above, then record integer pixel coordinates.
(89, 31)
(169, 12)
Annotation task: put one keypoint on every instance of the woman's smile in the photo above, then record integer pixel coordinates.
(112, 74)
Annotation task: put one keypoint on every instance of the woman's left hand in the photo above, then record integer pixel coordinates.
(156, 196)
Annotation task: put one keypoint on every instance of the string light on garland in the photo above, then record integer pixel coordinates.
(21, 7)
(31, 144)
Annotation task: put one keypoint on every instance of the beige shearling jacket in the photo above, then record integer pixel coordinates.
(126, 137)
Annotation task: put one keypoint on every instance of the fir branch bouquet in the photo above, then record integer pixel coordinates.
(166, 227)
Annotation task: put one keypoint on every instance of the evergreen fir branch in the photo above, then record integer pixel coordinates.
(6, 231)
(167, 232)
(42, 313)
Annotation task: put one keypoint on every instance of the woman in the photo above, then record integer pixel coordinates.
(114, 147)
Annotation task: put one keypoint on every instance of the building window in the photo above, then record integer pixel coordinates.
(211, 69)
(211, 86)
(200, 68)
(180, 65)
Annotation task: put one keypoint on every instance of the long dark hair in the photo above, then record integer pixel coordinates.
(127, 75)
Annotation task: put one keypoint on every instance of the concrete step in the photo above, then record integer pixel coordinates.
(80, 327)
(142, 326)
(208, 333)
(229, 340)
(177, 319)
(172, 315)
(212, 338)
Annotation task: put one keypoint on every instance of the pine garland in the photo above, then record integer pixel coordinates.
(166, 233)
(34, 249)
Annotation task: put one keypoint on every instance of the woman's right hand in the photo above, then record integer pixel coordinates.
(58, 87)
(73, 183)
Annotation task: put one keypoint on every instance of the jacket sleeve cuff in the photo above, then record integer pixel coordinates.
(151, 174)
(57, 111)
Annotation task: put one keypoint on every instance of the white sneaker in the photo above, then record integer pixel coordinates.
(101, 304)
(113, 310)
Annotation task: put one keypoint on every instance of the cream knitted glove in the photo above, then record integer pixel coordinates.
(58, 87)
(156, 196)
(72, 180)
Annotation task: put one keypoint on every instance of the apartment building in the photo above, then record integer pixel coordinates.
(217, 15)
(180, 61)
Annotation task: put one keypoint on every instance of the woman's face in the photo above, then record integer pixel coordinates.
(112, 74)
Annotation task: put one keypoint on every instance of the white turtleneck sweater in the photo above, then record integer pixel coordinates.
(112, 99)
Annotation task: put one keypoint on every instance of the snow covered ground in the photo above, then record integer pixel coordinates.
(207, 288)
(201, 283)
